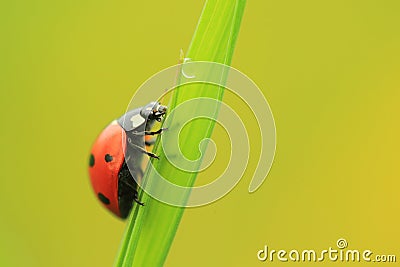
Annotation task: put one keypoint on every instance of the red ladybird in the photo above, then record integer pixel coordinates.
(117, 155)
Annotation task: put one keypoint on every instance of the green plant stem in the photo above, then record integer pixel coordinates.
(151, 229)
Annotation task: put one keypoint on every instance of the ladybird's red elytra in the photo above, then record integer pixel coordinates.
(116, 158)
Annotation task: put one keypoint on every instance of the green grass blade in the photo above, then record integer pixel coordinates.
(151, 229)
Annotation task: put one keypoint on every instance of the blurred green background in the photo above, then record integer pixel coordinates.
(329, 69)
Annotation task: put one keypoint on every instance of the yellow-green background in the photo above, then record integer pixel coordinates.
(329, 69)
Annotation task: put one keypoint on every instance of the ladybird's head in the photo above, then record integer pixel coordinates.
(153, 111)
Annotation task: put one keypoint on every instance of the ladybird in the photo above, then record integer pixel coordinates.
(117, 154)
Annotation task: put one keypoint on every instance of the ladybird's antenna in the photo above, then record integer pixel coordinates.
(181, 56)
(163, 96)
(181, 60)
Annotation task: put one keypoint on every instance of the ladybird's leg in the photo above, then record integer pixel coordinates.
(136, 198)
(144, 151)
(150, 132)
(141, 149)
(140, 203)
(155, 132)
(151, 155)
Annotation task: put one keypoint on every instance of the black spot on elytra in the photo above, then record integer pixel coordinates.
(91, 160)
(108, 158)
(103, 198)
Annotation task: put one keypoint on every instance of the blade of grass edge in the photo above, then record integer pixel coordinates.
(151, 229)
